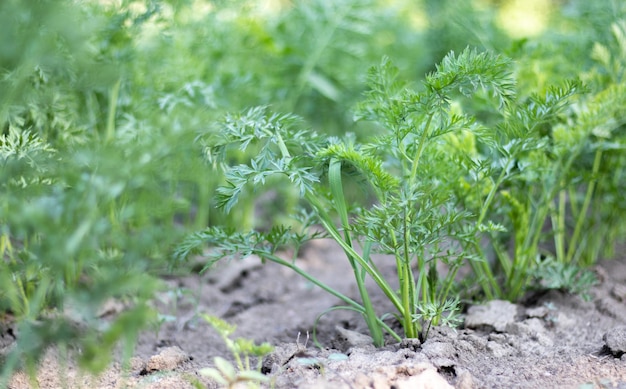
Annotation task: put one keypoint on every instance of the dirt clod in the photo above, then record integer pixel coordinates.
(465, 380)
(619, 292)
(537, 312)
(495, 315)
(615, 340)
(168, 359)
(353, 339)
(428, 379)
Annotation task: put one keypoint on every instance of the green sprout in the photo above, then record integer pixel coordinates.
(229, 375)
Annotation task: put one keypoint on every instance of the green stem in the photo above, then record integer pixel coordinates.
(573, 202)
(492, 192)
(573, 245)
(312, 279)
(336, 188)
(558, 222)
(326, 221)
(482, 269)
(420, 150)
(350, 302)
(407, 282)
(330, 227)
(115, 92)
(203, 214)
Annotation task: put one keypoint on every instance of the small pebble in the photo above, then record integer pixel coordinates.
(168, 359)
(537, 312)
(619, 292)
(615, 340)
(495, 315)
(353, 338)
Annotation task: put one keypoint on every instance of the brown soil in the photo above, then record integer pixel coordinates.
(554, 342)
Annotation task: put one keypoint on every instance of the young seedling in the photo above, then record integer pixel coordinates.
(225, 373)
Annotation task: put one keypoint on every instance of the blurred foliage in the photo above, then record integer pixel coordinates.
(100, 103)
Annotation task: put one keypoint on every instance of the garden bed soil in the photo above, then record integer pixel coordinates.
(556, 340)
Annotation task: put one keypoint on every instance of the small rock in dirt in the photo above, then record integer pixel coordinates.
(353, 338)
(527, 327)
(413, 344)
(465, 380)
(168, 359)
(537, 312)
(443, 363)
(498, 350)
(444, 332)
(531, 328)
(438, 350)
(362, 380)
(428, 379)
(110, 308)
(137, 364)
(470, 342)
(494, 315)
(502, 339)
(564, 321)
(281, 356)
(619, 292)
(611, 307)
(615, 340)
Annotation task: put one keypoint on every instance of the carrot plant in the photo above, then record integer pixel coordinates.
(565, 184)
(415, 215)
(78, 221)
(443, 188)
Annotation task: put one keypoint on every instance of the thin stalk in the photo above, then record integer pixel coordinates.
(115, 92)
(529, 245)
(367, 248)
(6, 248)
(326, 221)
(573, 203)
(407, 282)
(492, 192)
(503, 257)
(486, 279)
(236, 355)
(448, 282)
(330, 227)
(422, 278)
(346, 244)
(336, 188)
(558, 222)
(420, 150)
(310, 278)
(203, 214)
(526, 248)
(23, 303)
(410, 329)
(585, 207)
(384, 325)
